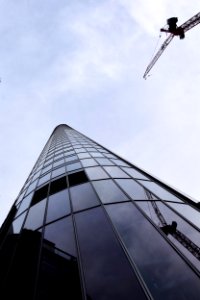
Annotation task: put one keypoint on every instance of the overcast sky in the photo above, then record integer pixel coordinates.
(81, 63)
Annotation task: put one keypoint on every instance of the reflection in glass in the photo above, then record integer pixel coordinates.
(44, 179)
(159, 191)
(58, 172)
(31, 187)
(88, 162)
(132, 188)
(17, 224)
(25, 204)
(35, 216)
(108, 191)
(83, 196)
(58, 205)
(73, 166)
(165, 273)
(116, 172)
(169, 217)
(83, 155)
(96, 173)
(108, 274)
(58, 163)
(188, 212)
(104, 161)
(135, 174)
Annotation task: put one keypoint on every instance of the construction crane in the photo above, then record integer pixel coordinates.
(172, 229)
(174, 30)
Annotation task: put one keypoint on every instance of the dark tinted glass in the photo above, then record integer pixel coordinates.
(35, 216)
(165, 273)
(77, 178)
(83, 196)
(25, 203)
(58, 185)
(108, 274)
(59, 276)
(17, 224)
(40, 194)
(108, 191)
(58, 205)
(182, 226)
(96, 173)
(132, 188)
(159, 191)
(188, 212)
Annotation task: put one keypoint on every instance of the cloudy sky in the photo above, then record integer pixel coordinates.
(81, 63)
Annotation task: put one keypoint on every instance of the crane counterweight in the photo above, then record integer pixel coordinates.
(173, 30)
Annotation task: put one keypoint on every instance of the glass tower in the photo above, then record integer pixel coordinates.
(89, 225)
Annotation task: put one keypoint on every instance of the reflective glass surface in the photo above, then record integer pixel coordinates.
(116, 172)
(135, 174)
(165, 273)
(58, 172)
(88, 162)
(182, 226)
(58, 205)
(44, 179)
(188, 212)
(96, 173)
(159, 191)
(59, 275)
(83, 196)
(104, 161)
(35, 216)
(132, 188)
(25, 203)
(108, 191)
(108, 275)
(84, 155)
(17, 224)
(74, 166)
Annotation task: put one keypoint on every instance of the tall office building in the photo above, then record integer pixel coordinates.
(90, 225)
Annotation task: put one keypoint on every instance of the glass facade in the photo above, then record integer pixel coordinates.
(89, 225)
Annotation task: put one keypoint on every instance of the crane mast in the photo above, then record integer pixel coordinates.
(174, 31)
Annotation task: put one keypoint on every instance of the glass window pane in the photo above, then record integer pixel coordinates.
(83, 196)
(25, 203)
(44, 179)
(159, 191)
(104, 161)
(188, 212)
(31, 187)
(134, 173)
(74, 166)
(46, 169)
(63, 243)
(58, 206)
(132, 188)
(167, 276)
(96, 154)
(108, 275)
(58, 163)
(116, 172)
(83, 155)
(120, 162)
(96, 173)
(17, 224)
(71, 158)
(88, 162)
(59, 275)
(108, 191)
(182, 226)
(58, 172)
(35, 216)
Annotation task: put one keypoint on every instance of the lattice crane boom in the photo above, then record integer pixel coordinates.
(174, 31)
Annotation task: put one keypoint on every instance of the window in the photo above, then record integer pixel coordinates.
(132, 188)
(44, 179)
(96, 173)
(108, 275)
(73, 166)
(25, 203)
(58, 172)
(35, 216)
(135, 174)
(104, 161)
(116, 172)
(108, 191)
(83, 196)
(159, 191)
(58, 205)
(163, 270)
(88, 162)
(58, 185)
(77, 178)
(83, 155)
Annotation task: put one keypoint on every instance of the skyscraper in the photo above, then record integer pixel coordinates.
(90, 225)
